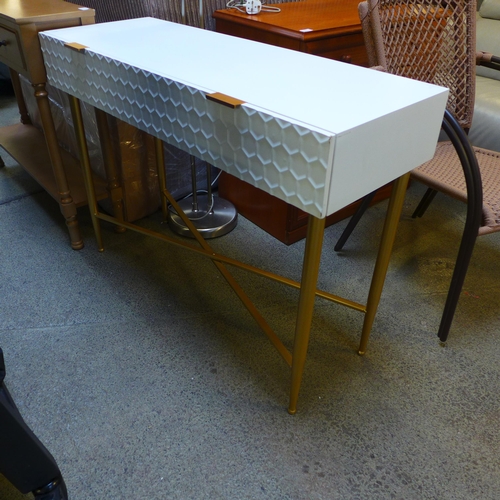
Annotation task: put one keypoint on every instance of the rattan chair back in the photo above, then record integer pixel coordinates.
(434, 41)
(427, 40)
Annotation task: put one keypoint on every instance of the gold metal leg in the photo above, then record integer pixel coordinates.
(310, 269)
(160, 165)
(66, 203)
(114, 187)
(384, 255)
(76, 113)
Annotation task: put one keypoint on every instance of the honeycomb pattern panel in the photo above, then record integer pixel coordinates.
(285, 159)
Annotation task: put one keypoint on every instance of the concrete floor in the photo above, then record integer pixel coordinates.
(145, 377)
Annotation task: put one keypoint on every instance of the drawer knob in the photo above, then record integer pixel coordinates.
(3, 42)
(346, 58)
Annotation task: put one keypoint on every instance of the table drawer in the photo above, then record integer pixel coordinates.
(10, 53)
(347, 48)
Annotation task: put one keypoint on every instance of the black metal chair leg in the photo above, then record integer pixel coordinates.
(24, 460)
(474, 213)
(363, 206)
(457, 281)
(424, 203)
(472, 175)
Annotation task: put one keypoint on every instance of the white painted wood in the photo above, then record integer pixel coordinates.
(317, 133)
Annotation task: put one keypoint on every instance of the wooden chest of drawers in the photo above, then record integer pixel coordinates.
(11, 53)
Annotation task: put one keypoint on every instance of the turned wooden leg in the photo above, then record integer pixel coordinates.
(66, 203)
(18, 92)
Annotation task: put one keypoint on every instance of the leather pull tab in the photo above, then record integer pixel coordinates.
(225, 100)
(76, 46)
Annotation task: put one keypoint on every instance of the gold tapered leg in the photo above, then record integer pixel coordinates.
(76, 113)
(384, 255)
(160, 166)
(310, 269)
(114, 187)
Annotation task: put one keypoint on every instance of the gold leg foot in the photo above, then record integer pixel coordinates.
(77, 245)
(74, 233)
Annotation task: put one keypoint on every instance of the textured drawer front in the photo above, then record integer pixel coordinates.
(10, 53)
(280, 157)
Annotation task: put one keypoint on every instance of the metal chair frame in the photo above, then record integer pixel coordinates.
(457, 133)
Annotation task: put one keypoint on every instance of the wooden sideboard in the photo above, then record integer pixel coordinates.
(38, 151)
(327, 28)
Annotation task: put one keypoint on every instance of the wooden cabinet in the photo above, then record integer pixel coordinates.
(38, 151)
(321, 27)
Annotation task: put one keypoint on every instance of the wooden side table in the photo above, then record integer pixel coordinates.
(38, 152)
(327, 28)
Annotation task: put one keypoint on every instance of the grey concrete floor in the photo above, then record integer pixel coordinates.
(145, 377)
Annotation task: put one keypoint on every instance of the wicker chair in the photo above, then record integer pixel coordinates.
(434, 41)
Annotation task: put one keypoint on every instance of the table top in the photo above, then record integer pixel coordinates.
(327, 95)
(315, 132)
(305, 18)
(33, 11)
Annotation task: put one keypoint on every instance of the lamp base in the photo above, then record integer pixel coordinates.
(211, 222)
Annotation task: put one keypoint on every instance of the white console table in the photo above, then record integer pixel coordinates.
(316, 133)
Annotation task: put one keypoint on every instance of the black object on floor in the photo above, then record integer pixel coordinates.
(24, 460)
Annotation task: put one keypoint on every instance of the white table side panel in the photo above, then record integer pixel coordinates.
(373, 158)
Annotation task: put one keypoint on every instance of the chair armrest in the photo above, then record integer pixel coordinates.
(488, 60)
(488, 41)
